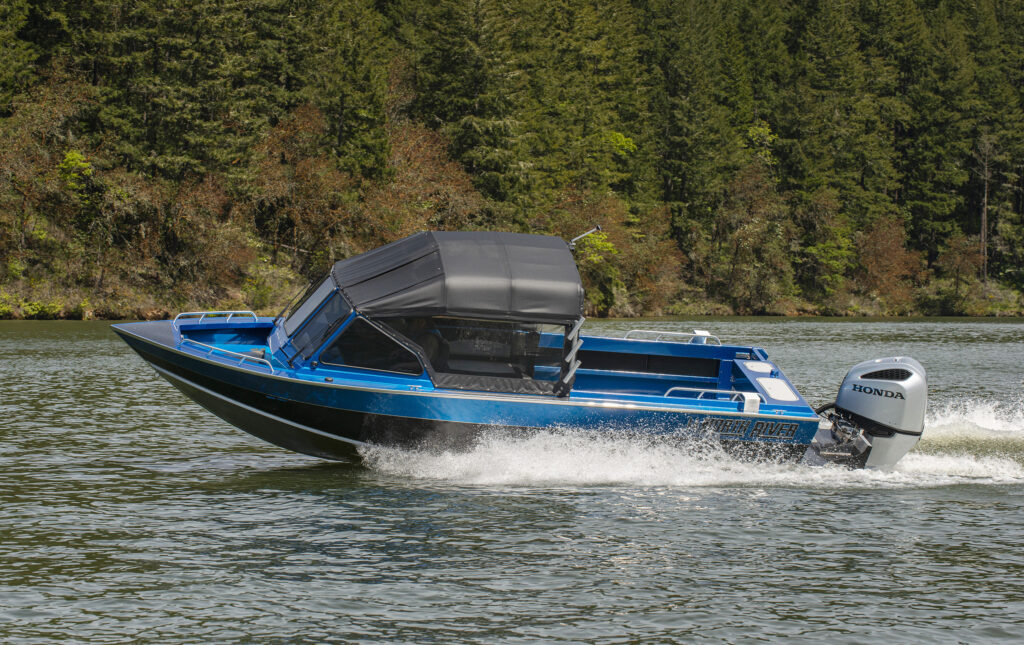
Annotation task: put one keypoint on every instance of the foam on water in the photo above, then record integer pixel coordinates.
(965, 443)
(973, 419)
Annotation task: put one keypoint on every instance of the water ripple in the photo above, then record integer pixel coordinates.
(129, 514)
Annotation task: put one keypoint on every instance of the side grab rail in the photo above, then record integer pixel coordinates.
(751, 400)
(569, 361)
(692, 336)
(213, 314)
(241, 357)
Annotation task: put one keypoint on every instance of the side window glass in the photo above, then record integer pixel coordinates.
(487, 348)
(362, 345)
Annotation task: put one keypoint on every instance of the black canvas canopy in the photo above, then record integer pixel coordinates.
(497, 276)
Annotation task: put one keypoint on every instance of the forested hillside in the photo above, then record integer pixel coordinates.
(770, 156)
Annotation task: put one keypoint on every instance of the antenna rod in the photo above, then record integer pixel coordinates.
(572, 242)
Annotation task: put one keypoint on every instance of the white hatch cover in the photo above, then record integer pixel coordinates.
(777, 389)
(758, 366)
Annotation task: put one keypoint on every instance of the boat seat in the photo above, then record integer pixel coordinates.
(436, 349)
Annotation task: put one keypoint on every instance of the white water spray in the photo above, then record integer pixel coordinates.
(964, 442)
(973, 419)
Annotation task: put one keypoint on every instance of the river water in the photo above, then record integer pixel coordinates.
(129, 514)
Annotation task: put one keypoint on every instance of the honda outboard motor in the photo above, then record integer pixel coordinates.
(878, 415)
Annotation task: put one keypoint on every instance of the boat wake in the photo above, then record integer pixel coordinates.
(971, 419)
(965, 442)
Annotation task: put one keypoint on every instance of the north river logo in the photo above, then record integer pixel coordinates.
(889, 394)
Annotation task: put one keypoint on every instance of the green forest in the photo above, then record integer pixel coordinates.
(786, 157)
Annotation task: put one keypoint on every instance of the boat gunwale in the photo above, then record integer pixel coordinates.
(582, 398)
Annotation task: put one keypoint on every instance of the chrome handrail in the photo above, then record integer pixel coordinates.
(702, 391)
(203, 314)
(659, 334)
(751, 400)
(242, 357)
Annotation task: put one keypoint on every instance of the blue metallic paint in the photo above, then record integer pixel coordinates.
(399, 396)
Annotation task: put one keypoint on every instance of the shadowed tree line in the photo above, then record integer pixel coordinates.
(864, 157)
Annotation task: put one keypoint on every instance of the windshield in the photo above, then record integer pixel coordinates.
(308, 306)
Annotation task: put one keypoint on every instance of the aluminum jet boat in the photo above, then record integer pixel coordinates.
(434, 338)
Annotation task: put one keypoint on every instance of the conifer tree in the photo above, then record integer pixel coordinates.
(935, 149)
(837, 132)
(586, 101)
(463, 61)
(699, 147)
(763, 28)
(1008, 230)
(346, 78)
(834, 161)
(996, 141)
(17, 54)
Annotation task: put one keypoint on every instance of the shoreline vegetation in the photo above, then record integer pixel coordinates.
(772, 158)
(126, 305)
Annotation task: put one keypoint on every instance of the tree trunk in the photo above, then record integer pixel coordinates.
(984, 231)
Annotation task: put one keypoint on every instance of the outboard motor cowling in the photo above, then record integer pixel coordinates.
(886, 398)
